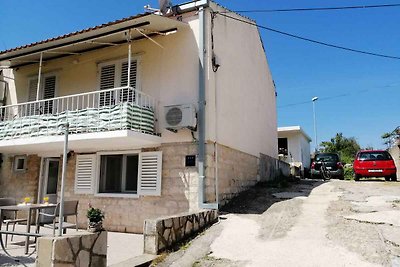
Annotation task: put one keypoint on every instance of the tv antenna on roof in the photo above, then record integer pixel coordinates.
(165, 6)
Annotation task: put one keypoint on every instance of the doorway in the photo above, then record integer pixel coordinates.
(49, 184)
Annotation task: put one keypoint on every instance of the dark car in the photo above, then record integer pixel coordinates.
(374, 163)
(332, 163)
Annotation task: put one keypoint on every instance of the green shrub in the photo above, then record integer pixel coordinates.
(348, 173)
(94, 215)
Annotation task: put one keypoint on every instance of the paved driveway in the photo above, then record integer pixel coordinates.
(337, 223)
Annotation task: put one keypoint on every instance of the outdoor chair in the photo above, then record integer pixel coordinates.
(50, 219)
(13, 219)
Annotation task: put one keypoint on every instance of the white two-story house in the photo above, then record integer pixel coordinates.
(167, 114)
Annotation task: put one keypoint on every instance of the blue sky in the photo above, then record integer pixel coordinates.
(362, 92)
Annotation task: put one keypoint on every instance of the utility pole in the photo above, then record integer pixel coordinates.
(315, 123)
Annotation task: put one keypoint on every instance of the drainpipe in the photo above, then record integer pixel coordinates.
(202, 111)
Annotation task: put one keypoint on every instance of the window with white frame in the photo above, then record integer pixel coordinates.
(47, 90)
(119, 173)
(114, 74)
(20, 163)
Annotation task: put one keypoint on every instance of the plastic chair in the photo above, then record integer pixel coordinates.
(70, 209)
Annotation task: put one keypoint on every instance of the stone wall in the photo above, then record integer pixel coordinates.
(271, 169)
(236, 170)
(178, 194)
(19, 185)
(82, 249)
(163, 233)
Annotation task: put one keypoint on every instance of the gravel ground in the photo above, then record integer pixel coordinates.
(311, 223)
(377, 242)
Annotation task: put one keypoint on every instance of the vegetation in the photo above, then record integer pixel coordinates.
(389, 137)
(347, 147)
(348, 173)
(94, 215)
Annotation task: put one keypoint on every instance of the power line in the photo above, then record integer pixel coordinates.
(311, 40)
(313, 9)
(326, 98)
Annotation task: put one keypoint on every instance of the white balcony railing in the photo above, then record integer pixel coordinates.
(98, 111)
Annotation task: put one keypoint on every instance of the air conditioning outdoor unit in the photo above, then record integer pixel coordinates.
(180, 116)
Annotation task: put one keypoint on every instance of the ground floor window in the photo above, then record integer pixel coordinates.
(119, 173)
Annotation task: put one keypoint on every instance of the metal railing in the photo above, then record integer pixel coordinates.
(86, 112)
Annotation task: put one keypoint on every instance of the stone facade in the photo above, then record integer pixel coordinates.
(164, 233)
(236, 172)
(20, 184)
(83, 250)
(178, 194)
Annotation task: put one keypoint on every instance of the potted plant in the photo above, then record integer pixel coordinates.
(95, 217)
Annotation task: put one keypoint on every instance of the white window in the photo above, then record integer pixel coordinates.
(47, 90)
(20, 163)
(119, 174)
(114, 74)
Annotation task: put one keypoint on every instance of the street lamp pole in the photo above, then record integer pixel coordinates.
(315, 123)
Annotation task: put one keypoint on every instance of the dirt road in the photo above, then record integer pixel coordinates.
(337, 223)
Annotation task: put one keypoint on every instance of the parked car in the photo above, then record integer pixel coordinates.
(332, 163)
(374, 163)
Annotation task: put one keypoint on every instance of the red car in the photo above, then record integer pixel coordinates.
(374, 163)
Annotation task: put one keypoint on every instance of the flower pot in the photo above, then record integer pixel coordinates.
(95, 226)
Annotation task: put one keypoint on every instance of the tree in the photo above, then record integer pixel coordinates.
(389, 138)
(346, 147)
(386, 139)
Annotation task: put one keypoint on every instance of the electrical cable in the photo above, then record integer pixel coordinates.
(334, 96)
(311, 40)
(312, 9)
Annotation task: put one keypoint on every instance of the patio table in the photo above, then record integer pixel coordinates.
(25, 207)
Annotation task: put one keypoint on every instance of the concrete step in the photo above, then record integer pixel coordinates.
(141, 260)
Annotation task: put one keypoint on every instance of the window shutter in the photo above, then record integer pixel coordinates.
(150, 167)
(85, 174)
(107, 81)
(128, 94)
(124, 74)
(33, 108)
(49, 91)
(32, 90)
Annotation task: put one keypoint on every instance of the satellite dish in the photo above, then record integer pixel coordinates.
(165, 5)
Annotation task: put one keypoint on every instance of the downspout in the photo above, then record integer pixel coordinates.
(202, 111)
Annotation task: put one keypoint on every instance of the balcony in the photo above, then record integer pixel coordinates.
(120, 118)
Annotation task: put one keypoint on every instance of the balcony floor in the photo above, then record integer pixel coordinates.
(85, 142)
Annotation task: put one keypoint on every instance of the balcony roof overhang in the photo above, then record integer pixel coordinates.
(80, 143)
(109, 34)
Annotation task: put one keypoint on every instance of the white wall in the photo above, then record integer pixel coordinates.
(298, 148)
(241, 108)
(305, 151)
(241, 102)
(168, 74)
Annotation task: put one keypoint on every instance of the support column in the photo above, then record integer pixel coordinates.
(39, 77)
